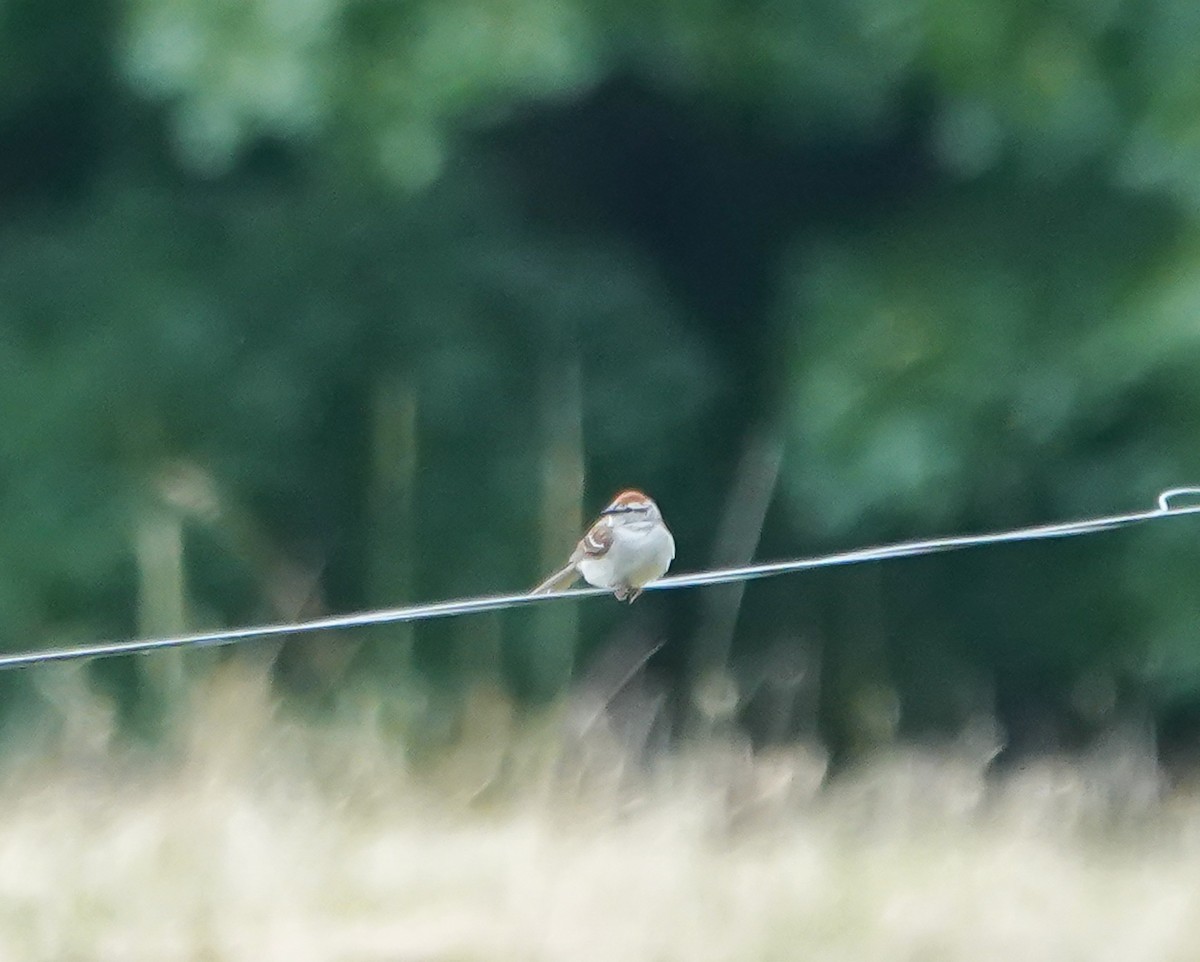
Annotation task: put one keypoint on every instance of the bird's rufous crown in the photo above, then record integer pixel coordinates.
(629, 501)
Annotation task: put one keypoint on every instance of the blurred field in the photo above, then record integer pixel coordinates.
(265, 839)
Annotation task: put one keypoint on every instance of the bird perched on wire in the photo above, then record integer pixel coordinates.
(628, 547)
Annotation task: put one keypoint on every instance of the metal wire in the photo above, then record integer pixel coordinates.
(466, 606)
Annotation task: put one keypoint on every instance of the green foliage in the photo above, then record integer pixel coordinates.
(292, 294)
(957, 357)
(386, 80)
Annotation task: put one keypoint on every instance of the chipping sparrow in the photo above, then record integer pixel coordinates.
(626, 548)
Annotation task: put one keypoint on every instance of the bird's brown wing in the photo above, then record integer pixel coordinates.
(594, 544)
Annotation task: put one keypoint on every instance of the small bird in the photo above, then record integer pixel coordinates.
(628, 547)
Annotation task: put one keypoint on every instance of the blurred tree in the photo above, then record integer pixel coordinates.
(363, 302)
(52, 120)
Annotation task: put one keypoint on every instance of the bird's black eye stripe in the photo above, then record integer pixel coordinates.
(624, 508)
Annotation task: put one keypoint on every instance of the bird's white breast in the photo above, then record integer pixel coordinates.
(639, 554)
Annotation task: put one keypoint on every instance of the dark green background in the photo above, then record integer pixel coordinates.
(318, 305)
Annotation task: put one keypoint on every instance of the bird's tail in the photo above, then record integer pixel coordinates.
(561, 579)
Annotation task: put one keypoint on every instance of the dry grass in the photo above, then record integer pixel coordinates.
(268, 841)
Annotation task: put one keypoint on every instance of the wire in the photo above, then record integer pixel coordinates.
(467, 606)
